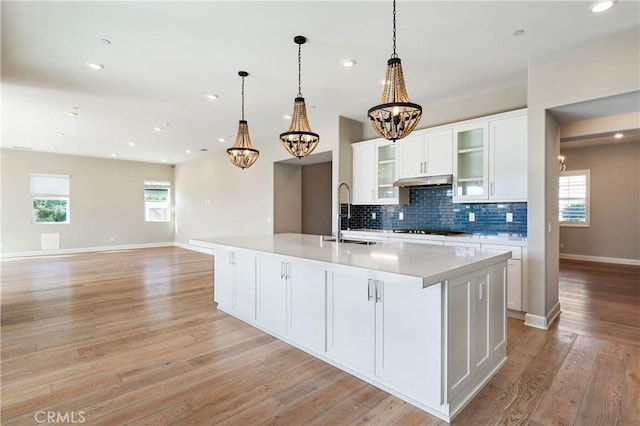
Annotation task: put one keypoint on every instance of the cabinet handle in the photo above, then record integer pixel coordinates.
(369, 285)
(481, 291)
(421, 163)
(378, 291)
(281, 270)
(287, 269)
(426, 166)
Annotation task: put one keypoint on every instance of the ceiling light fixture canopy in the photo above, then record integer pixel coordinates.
(299, 140)
(396, 116)
(242, 154)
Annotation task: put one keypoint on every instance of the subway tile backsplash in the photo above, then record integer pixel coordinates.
(433, 208)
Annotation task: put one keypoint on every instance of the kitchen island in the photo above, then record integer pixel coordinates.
(425, 323)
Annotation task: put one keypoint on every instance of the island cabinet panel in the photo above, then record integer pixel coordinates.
(272, 293)
(459, 345)
(292, 300)
(351, 320)
(235, 282)
(480, 312)
(498, 312)
(307, 300)
(408, 339)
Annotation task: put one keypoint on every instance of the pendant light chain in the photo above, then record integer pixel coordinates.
(242, 98)
(395, 55)
(299, 71)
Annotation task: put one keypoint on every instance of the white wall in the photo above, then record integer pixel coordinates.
(215, 198)
(602, 68)
(106, 200)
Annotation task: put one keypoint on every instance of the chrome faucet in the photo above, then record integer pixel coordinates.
(340, 215)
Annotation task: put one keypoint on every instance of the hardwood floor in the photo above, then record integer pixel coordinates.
(133, 337)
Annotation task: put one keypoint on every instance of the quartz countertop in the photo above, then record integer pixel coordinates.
(418, 264)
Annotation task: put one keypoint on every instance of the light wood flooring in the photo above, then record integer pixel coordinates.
(133, 337)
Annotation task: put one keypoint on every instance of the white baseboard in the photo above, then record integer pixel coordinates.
(541, 322)
(84, 250)
(195, 248)
(618, 260)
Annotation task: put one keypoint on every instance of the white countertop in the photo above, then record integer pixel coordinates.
(424, 265)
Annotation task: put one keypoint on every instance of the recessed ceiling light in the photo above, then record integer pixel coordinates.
(166, 124)
(212, 96)
(601, 6)
(114, 155)
(221, 140)
(53, 148)
(204, 149)
(71, 114)
(131, 144)
(517, 33)
(618, 136)
(164, 160)
(383, 81)
(188, 151)
(348, 63)
(287, 116)
(158, 129)
(95, 66)
(60, 135)
(105, 41)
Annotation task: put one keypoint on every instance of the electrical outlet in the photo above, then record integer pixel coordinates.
(400, 216)
(373, 215)
(472, 217)
(111, 239)
(509, 217)
(561, 245)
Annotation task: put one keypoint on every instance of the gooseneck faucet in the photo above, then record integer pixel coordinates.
(340, 215)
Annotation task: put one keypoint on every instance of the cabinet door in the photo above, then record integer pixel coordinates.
(307, 305)
(439, 153)
(480, 314)
(409, 339)
(471, 165)
(386, 173)
(363, 173)
(224, 278)
(351, 321)
(514, 284)
(411, 156)
(498, 312)
(272, 293)
(508, 159)
(459, 332)
(245, 289)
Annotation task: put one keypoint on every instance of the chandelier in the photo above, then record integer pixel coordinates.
(395, 117)
(242, 154)
(299, 140)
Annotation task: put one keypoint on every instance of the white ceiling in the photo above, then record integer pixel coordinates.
(164, 57)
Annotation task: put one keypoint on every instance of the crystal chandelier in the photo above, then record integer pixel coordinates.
(299, 140)
(395, 117)
(242, 154)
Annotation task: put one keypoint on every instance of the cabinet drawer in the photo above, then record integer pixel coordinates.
(516, 251)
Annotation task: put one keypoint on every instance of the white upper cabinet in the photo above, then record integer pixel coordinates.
(427, 154)
(508, 159)
(490, 159)
(374, 172)
(471, 163)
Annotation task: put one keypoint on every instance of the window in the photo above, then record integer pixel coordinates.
(157, 201)
(573, 201)
(49, 198)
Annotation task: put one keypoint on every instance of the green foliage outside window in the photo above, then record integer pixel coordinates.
(574, 213)
(50, 210)
(152, 194)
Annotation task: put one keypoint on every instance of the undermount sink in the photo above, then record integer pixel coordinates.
(365, 243)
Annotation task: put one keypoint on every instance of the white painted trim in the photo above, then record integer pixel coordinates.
(586, 258)
(195, 247)
(84, 250)
(545, 322)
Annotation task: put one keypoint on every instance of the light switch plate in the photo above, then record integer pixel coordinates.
(373, 215)
(400, 216)
(472, 217)
(509, 217)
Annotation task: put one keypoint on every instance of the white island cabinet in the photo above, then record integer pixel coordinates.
(425, 323)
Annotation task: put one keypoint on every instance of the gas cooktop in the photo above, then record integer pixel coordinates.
(428, 232)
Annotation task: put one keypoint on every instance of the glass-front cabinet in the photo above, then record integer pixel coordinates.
(386, 172)
(471, 165)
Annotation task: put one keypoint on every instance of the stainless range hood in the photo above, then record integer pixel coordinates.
(424, 181)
